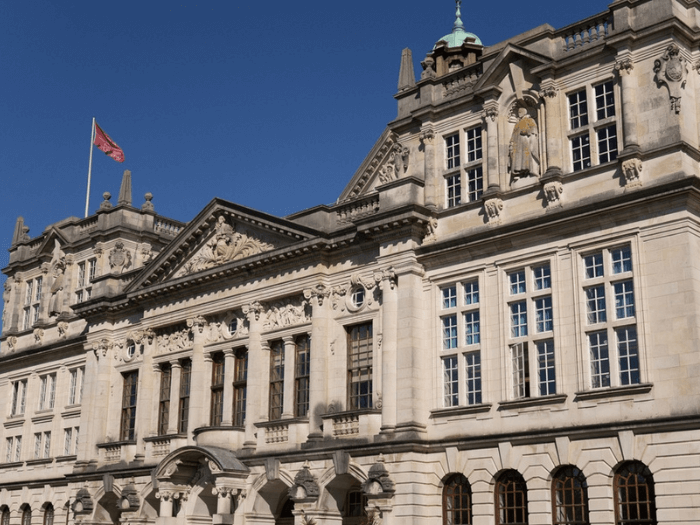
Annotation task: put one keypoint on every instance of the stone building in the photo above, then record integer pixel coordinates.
(496, 323)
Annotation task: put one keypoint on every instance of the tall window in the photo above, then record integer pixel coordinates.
(183, 409)
(531, 331)
(452, 151)
(240, 387)
(32, 302)
(128, 422)
(47, 395)
(453, 190)
(593, 137)
(276, 380)
(87, 271)
(19, 397)
(457, 501)
(5, 518)
(164, 399)
(70, 441)
(27, 515)
(42, 445)
(360, 366)
(511, 499)
(461, 343)
(13, 450)
(634, 495)
(48, 514)
(75, 393)
(302, 375)
(610, 309)
(569, 497)
(217, 389)
(473, 167)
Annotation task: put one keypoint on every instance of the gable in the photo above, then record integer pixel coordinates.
(222, 234)
(512, 61)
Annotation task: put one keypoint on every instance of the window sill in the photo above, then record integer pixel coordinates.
(115, 444)
(14, 421)
(460, 410)
(284, 421)
(41, 461)
(201, 430)
(163, 437)
(532, 401)
(64, 459)
(43, 417)
(14, 464)
(643, 388)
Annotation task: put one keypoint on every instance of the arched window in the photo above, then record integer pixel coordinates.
(511, 499)
(569, 497)
(27, 515)
(5, 516)
(634, 495)
(457, 501)
(48, 514)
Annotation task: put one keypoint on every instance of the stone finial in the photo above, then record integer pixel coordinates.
(106, 205)
(148, 205)
(125, 190)
(407, 77)
(21, 231)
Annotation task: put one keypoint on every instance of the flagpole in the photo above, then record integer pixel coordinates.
(92, 139)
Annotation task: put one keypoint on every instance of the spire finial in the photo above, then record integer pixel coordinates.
(458, 25)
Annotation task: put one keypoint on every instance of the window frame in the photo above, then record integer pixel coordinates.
(302, 375)
(218, 375)
(457, 486)
(502, 487)
(276, 382)
(183, 404)
(464, 179)
(164, 386)
(360, 366)
(636, 470)
(240, 387)
(127, 429)
(570, 480)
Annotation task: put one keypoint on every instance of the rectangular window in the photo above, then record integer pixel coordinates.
(624, 299)
(471, 292)
(542, 277)
(37, 445)
(276, 380)
(75, 393)
(42, 445)
(475, 183)
(240, 382)
(604, 100)
(360, 347)
(629, 356)
(517, 282)
(76, 439)
(37, 293)
(521, 371)
(581, 152)
(217, 389)
(449, 297)
(183, 409)
(472, 368)
(518, 319)
(47, 397)
(450, 381)
(452, 151)
(543, 314)
(302, 376)
(600, 362)
(471, 328)
(474, 149)
(595, 304)
(578, 109)
(19, 396)
(453, 186)
(128, 420)
(607, 144)
(593, 265)
(92, 269)
(67, 441)
(621, 260)
(27, 319)
(545, 367)
(81, 275)
(164, 399)
(28, 296)
(449, 332)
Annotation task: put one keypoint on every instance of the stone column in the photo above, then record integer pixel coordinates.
(166, 503)
(550, 96)
(223, 501)
(200, 404)
(229, 367)
(390, 323)
(318, 384)
(490, 116)
(624, 67)
(255, 371)
(173, 415)
(432, 183)
(288, 403)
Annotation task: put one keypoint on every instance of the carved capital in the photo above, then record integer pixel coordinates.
(253, 310)
(197, 323)
(490, 112)
(431, 230)
(388, 276)
(624, 66)
(632, 171)
(101, 347)
(549, 92)
(45, 268)
(427, 135)
(320, 292)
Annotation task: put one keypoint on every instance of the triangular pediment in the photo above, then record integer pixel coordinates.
(52, 236)
(501, 66)
(222, 234)
(387, 161)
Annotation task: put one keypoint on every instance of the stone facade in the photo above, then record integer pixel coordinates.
(497, 322)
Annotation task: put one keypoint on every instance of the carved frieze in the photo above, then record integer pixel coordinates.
(672, 70)
(396, 164)
(254, 309)
(174, 340)
(226, 245)
(281, 314)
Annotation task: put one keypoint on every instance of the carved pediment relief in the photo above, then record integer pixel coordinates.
(173, 339)
(289, 312)
(388, 161)
(229, 242)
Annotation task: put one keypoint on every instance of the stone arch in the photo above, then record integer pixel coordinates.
(336, 490)
(149, 503)
(270, 496)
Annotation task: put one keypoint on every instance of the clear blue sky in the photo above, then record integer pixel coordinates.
(269, 104)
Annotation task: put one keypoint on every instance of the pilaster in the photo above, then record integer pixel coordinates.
(432, 184)
(390, 323)
(318, 384)
(288, 403)
(490, 116)
(173, 415)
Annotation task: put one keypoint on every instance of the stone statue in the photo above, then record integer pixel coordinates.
(524, 147)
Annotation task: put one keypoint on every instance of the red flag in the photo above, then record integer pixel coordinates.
(106, 144)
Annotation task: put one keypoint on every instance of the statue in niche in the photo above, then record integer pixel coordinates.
(58, 267)
(524, 148)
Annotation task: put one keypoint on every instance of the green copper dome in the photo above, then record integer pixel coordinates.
(458, 35)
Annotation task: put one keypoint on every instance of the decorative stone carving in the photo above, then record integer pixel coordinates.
(173, 341)
(197, 323)
(129, 500)
(254, 308)
(82, 505)
(374, 516)
(106, 205)
(552, 193)
(58, 270)
(378, 481)
(119, 258)
(305, 487)
(101, 347)
(62, 329)
(12, 343)
(548, 92)
(389, 275)
(307, 520)
(428, 68)
(141, 337)
(431, 230)
(397, 164)
(624, 66)
(225, 246)
(148, 205)
(427, 135)
(378, 403)
(493, 206)
(320, 292)
(39, 335)
(457, 85)
(490, 112)
(282, 314)
(632, 171)
(337, 293)
(672, 69)
(524, 149)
